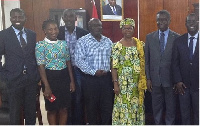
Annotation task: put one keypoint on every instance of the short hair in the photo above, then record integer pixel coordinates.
(48, 21)
(191, 14)
(69, 11)
(165, 12)
(17, 10)
(93, 19)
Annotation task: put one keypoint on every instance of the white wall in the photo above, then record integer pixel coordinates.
(8, 6)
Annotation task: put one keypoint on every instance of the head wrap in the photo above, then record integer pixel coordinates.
(127, 21)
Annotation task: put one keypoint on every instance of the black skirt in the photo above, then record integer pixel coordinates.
(59, 82)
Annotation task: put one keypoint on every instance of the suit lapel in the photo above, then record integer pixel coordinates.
(15, 41)
(28, 37)
(156, 42)
(169, 40)
(185, 45)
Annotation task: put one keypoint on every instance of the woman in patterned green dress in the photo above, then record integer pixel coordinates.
(128, 77)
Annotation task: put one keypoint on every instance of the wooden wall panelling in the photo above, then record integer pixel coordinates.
(38, 11)
(178, 10)
(190, 2)
(41, 13)
(131, 11)
(147, 16)
(28, 8)
(74, 4)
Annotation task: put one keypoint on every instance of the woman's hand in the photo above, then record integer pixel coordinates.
(47, 92)
(72, 86)
(116, 88)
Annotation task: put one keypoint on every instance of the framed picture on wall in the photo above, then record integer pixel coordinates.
(112, 10)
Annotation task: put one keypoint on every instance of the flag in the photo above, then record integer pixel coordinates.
(94, 11)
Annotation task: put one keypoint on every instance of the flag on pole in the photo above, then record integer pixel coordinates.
(94, 11)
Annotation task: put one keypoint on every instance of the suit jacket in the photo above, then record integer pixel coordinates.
(157, 66)
(79, 32)
(183, 70)
(108, 11)
(15, 59)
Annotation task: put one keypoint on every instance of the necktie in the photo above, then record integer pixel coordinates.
(22, 41)
(162, 42)
(191, 47)
(114, 11)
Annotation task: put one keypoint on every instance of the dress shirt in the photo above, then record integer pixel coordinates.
(92, 55)
(194, 40)
(71, 40)
(18, 36)
(166, 36)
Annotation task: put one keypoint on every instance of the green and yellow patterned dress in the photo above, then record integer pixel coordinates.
(128, 105)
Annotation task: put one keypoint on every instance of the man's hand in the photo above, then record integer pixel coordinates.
(179, 87)
(149, 85)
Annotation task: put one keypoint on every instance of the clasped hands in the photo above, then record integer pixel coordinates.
(179, 88)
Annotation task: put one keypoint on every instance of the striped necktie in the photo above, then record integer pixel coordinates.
(22, 40)
(114, 11)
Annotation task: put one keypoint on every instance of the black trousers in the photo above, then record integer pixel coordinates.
(22, 93)
(189, 101)
(98, 95)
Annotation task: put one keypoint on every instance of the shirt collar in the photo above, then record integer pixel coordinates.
(49, 41)
(91, 37)
(112, 6)
(17, 31)
(165, 32)
(195, 36)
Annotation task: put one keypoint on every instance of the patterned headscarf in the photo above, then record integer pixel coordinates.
(127, 21)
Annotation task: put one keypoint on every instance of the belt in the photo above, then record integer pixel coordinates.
(24, 71)
(104, 74)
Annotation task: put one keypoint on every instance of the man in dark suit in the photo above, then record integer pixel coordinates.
(158, 53)
(112, 8)
(185, 67)
(71, 34)
(20, 71)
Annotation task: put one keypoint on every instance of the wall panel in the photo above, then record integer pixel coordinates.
(178, 10)
(147, 16)
(28, 8)
(75, 4)
(190, 2)
(38, 10)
